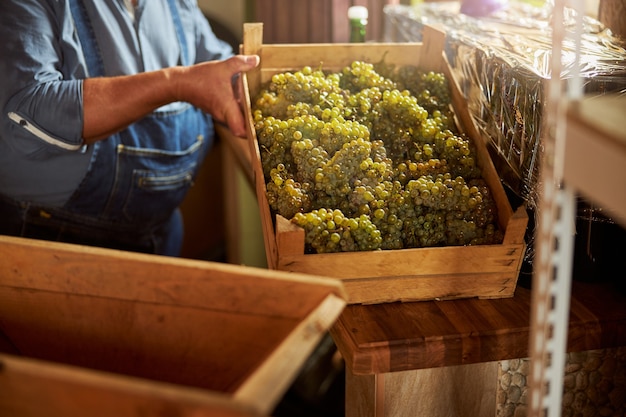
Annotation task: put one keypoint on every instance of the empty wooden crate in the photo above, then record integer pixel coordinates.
(98, 332)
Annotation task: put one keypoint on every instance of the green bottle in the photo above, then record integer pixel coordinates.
(357, 15)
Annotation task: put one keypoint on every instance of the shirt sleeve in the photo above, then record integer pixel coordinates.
(41, 86)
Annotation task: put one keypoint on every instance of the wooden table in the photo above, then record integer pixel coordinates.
(438, 358)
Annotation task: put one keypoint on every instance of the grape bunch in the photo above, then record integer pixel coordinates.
(361, 75)
(285, 195)
(287, 89)
(329, 230)
(430, 88)
(363, 159)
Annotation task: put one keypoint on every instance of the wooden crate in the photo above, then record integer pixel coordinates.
(486, 271)
(98, 332)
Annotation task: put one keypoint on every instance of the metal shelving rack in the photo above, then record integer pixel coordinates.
(584, 150)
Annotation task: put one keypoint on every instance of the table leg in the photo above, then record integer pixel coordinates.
(467, 390)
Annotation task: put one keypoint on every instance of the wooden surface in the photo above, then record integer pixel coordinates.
(316, 21)
(595, 152)
(32, 388)
(395, 337)
(611, 13)
(468, 390)
(235, 330)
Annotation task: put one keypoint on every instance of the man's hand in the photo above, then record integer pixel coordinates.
(209, 86)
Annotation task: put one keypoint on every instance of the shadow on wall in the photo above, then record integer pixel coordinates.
(199, 208)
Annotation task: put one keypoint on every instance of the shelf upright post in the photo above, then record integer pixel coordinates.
(552, 267)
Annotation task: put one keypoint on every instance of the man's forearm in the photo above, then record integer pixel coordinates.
(112, 103)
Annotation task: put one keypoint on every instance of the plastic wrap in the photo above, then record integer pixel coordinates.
(502, 62)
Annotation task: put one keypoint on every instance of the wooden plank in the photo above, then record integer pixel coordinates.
(340, 25)
(515, 230)
(449, 391)
(203, 348)
(595, 138)
(438, 261)
(489, 173)
(420, 287)
(394, 337)
(32, 388)
(253, 44)
(298, 21)
(289, 237)
(283, 21)
(264, 13)
(320, 29)
(279, 58)
(149, 278)
(276, 373)
(361, 395)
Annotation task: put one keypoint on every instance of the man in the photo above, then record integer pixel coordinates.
(107, 113)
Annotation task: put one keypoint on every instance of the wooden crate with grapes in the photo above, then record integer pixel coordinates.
(368, 168)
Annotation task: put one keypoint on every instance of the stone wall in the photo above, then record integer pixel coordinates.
(594, 384)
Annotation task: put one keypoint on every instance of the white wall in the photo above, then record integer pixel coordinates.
(230, 13)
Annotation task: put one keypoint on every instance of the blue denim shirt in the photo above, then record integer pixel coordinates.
(41, 67)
